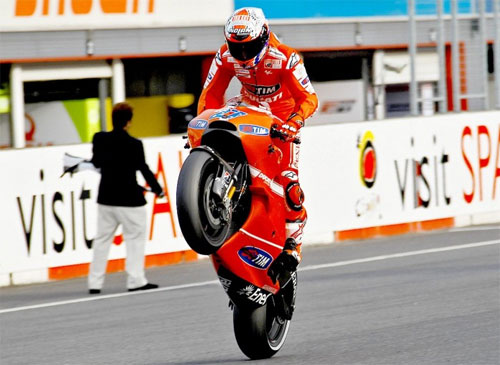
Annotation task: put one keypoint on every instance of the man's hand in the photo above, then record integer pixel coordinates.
(288, 131)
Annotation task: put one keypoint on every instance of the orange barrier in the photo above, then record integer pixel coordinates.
(394, 229)
(79, 270)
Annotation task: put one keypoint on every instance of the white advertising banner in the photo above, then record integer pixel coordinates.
(39, 15)
(354, 176)
(403, 170)
(49, 221)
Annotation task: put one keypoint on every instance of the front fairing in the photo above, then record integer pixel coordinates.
(248, 253)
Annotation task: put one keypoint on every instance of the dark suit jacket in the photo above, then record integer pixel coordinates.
(119, 156)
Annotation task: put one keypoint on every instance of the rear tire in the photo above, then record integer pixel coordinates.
(199, 217)
(259, 332)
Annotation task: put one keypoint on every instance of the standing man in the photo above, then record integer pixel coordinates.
(273, 76)
(121, 200)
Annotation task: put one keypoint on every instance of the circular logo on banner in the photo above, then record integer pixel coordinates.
(367, 160)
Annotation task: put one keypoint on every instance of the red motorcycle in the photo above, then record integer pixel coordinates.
(230, 205)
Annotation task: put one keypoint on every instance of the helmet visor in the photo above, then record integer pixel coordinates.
(245, 51)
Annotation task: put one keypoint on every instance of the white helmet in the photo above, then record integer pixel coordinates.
(247, 36)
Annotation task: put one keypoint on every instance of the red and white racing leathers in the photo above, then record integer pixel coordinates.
(280, 83)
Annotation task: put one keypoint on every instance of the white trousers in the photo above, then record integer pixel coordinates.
(133, 221)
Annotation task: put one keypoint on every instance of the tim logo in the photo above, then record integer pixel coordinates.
(227, 114)
(262, 90)
(198, 124)
(255, 257)
(254, 129)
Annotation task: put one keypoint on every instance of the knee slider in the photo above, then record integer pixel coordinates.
(294, 196)
(293, 192)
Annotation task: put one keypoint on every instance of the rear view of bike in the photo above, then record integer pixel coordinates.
(230, 206)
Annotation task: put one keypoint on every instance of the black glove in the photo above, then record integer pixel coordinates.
(285, 263)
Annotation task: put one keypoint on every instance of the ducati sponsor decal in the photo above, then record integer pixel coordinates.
(254, 129)
(262, 90)
(254, 294)
(227, 114)
(269, 99)
(276, 64)
(255, 257)
(293, 60)
(275, 187)
(198, 124)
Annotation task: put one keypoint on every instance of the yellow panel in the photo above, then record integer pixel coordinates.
(150, 116)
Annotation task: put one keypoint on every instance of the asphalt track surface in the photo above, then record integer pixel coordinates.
(417, 299)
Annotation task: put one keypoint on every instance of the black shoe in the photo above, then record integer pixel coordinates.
(94, 291)
(283, 266)
(145, 287)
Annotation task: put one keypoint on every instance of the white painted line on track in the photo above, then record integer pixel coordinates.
(109, 296)
(402, 254)
(472, 229)
(212, 282)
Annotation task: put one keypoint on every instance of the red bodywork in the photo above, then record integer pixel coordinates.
(264, 230)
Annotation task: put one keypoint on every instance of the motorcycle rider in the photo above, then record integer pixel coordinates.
(273, 76)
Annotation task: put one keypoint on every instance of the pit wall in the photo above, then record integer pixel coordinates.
(361, 180)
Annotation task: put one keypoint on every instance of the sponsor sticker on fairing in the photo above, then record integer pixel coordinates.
(254, 294)
(255, 130)
(255, 257)
(227, 114)
(198, 124)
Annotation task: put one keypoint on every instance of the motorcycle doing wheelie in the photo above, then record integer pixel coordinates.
(230, 205)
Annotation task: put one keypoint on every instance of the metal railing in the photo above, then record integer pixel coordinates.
(464, 39)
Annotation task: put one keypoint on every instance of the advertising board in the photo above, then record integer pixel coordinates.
(355, 176)
(400, 170)
(39, 15)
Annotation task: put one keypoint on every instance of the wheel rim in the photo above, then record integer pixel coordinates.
(276, 327)
(209, 206)
(214, 228)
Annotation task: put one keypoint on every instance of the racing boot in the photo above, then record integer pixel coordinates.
(285, 264)
(284, 270)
